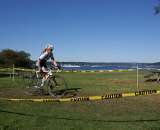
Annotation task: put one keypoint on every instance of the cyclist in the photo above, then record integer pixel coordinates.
(42, 62)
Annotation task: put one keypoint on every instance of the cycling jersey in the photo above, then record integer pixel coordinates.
(46, 55)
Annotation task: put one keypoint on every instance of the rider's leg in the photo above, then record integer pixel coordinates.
(45, 75)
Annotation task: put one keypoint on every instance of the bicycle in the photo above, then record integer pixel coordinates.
(55, 85)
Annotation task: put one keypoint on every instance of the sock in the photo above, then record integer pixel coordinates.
(43, 80)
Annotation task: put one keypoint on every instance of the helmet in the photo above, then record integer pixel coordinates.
(50, 46)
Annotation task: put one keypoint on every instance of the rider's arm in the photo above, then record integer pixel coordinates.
(53, 61)
(42, 56)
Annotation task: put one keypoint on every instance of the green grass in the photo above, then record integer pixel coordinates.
(134, 113)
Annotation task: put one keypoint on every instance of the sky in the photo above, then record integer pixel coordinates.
(83, 30)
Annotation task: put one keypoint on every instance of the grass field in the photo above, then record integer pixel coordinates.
(135, 113)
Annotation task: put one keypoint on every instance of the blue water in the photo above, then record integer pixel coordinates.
(98, 68)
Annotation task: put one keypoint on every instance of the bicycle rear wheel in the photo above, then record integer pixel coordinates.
(33, 86)
(57, 85)
(34, 81)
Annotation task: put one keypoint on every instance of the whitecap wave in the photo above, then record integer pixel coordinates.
(71, 66)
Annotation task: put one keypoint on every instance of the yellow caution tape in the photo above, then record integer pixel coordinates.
(128, 94)
(89, 98)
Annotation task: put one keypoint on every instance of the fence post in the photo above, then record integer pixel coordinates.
(137, 78)
(13, 73)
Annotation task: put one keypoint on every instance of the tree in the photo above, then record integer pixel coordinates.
(9, 57)
(157, 9)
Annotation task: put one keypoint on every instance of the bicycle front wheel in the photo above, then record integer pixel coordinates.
(57, 85)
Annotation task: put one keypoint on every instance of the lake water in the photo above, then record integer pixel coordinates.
(97, 67)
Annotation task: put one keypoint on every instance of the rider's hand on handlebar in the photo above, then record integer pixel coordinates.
(58, 67)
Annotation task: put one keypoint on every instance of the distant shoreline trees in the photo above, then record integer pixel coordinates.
(8, 57)
(157, 8)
